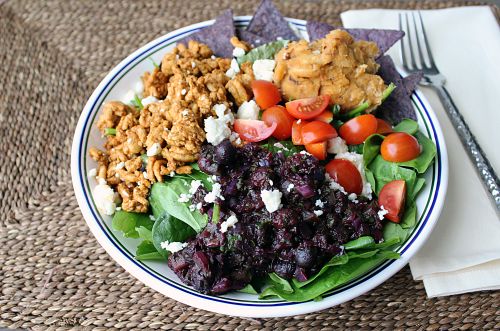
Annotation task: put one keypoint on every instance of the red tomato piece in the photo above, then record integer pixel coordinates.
(307, 108)
(253, 130)
(392, 198)
(400, 147)
(356, 130)
(318, 150)
(383, 127)
(316, 131)
(283, 120)
(326, 116)
(297, 131)
(346, 174)
(266, 93)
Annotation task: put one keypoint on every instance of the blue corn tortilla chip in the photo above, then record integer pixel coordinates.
(217, 36)
(253, 39)
(383, 38)
(398, 105)
(269, 24)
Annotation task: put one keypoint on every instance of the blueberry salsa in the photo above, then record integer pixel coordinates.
(294, 242)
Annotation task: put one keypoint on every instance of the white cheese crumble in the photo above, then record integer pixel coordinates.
(105, 198)
(382, 212)
(145, 174)
(172, 173)
(334, 185)
(238, 51)
(213, 57)
(195, 184)
(318, 212)
(149, 100)
(235, 138)
(151, 217)
(249, 110)
(233, 70)
(129, 96)
(120, 165)
(305, 153)
(184, 197)
(230, 222)
(155, 149)
(290, 187)
(319, 203)
(271, 199)
(173, 247)
(353, 197)
(337, 145)
(185, 112)
(217, 129)
(193, 64)
(138, 87)
(357, 160)
(199, 205)
(280, 145)
(212, 196)
(264, 69)
(92, 173)
(183, 91)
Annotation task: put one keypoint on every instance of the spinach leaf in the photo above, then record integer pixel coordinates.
(286, 147)
(248, 289)
(408, 126)
(168, 228)
(393, 231)
(145, 233)
(281, 282)
(385, 172)
(164, 199)
(266, 51)
(128, 223)
(147, 251)
(361, 242)
(371, 148)
(419, 184)
(197, 174)
(409, 218)
(356, 148)
(424, 160)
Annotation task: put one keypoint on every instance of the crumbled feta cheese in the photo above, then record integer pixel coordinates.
(117, 175)
(353, 197)
(177, 57)
(249, 110)
(149, 100)
(145, 174)
(213, 178)
(357, 160)
(337, 145)
(279, 38)
(334, 185)
(172, 173)
(101, 181)
(213, 57)
(217, 128)
(184, 197)
(237, 52)
(120, 165)
(235, 138)
(152, 217)
(92, 173)
(173, 247)
(271, 199)
(155, 149)
(199, 205)
(185, 112)
(193, 64)
(139, 87)
(195, 184)
(290, 187)
(129, 96)
(318, 212)
(231, 221)
(118, 208)
(105, 198)
(305, 153)
(233, 70)
(212, 196)
(183, 91)
(280, 145)
(271, 182)
(192, 208)
(382, 212)
(319, 203)
(264, 69)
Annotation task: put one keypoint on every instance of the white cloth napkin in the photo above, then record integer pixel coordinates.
(463, 252)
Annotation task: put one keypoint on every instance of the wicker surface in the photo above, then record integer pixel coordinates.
(53, 273)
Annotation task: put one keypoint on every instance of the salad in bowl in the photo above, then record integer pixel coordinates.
(269, 161)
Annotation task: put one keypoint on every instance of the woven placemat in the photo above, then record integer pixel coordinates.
(53, 273)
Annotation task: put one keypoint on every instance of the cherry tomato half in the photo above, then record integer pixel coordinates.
(356, 130)
(346, 174)
(253, 130)
(400, 147)
(326, 116)
(297, 131)
(318, 150)
(266, 93)
(307, 108)
(316, 131)
(283, 120)
(392, 198)
(383, 127)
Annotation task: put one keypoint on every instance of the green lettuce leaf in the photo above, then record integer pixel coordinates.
(266, 51)
(128, 223)
(171, 229)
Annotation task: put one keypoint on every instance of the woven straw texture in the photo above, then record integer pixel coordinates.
(53, 273)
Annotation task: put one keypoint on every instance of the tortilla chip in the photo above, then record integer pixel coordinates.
(383, 38)
(217, 36)
(253, 39)
(398, 105)
(269, 24)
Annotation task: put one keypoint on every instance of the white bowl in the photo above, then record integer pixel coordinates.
(157, 275)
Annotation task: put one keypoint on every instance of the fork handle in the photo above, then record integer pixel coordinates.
(476, 154)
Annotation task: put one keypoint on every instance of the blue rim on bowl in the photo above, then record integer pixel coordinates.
(227, 304)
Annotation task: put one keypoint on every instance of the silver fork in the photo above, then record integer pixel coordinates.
(413, 62)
